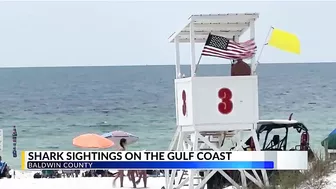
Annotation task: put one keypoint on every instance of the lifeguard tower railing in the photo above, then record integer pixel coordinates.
(197, 28)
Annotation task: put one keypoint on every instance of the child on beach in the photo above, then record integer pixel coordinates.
(120, 173)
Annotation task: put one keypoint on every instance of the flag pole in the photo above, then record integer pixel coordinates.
(199, 60)
(262, 48)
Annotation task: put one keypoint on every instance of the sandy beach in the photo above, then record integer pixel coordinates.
(25, 180)
(74, 183)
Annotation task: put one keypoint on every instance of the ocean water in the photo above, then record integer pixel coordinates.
(51, 106)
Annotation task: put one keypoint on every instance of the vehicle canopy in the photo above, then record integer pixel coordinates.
(276, 143)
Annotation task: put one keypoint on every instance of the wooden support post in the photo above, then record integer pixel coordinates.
(326, 149)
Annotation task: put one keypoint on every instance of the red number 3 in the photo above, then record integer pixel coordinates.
(226, 105)
(184, 105)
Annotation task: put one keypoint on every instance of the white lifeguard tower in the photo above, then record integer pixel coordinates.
(211, 111)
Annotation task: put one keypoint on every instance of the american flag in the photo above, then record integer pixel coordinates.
(222, 47)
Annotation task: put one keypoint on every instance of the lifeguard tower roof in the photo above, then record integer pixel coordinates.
(226, 25)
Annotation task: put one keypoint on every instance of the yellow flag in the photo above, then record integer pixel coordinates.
(284, 41)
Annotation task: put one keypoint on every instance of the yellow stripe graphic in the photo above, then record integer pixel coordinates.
(23, 160)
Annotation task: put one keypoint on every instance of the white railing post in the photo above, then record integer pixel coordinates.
(253, 59)
(177, 58)
(192, 49)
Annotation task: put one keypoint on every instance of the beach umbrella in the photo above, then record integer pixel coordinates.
(115, 136)
(92, 141)
(331, 139)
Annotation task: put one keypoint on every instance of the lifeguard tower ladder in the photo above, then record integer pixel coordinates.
(211, 110)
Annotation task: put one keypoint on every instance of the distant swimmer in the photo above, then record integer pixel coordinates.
(103, 123)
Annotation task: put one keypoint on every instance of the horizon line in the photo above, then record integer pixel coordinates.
(128, 65)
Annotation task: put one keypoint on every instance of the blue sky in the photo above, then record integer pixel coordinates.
(135, 33)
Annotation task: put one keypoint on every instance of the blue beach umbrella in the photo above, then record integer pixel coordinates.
(333, 132)
(331, 140)
(115, 137)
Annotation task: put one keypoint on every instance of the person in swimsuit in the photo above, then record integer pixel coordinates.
(120, 173)
(131, 177)
(143, 175)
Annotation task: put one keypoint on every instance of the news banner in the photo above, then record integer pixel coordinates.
(149, 160)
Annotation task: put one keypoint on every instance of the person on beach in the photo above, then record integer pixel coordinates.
(143, 175)
(131, 177)
(120, 173)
